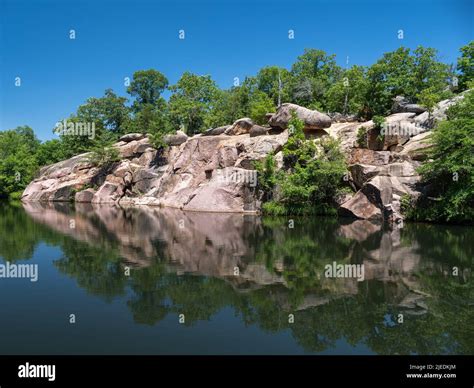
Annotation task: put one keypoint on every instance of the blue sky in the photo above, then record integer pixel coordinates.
(225, 39)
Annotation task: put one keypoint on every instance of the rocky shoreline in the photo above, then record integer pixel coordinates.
(214, 171)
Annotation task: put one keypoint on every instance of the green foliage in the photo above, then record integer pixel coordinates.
(191, 102)
(347, 94)
(465, 65)
(260, 105)
(73, 144)
(108, 112)
(429, 98)
(18, 163)
(402, 73)
(146, 87)
(103, 153)
(105, 116)
(379, 122)
(266, 171)
(297, 150)
(429, 73)
(150, 109)
(150, 119)
(312, 177)
(274, 208)
(157, 140)
(362, 137)
(450, 169)
(50, 152)
(275, 83)
(312, 75)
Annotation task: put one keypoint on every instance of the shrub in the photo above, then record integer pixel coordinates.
(101, 156)
(312, 177)
(362, 137)
(379, 122)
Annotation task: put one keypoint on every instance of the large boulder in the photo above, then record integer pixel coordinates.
(416, 148)
(132, 136)
(429, 120)
(366, 156)
(346, 133)
(85, 196)
(144, 180)
(379, 191)
(402, 104)
(257, 148)
(396, 131)
(337, 117)
(229, 190)
(359, 206)
(240, 127)
(361, 173)
(216, 131)
(175, 139)
(401, 169)
(258, 130)
(60, 181)
(107, 193)
(312, 119)
(369, 202)
(134, 148)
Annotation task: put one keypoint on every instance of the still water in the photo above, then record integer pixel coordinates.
(161, 281)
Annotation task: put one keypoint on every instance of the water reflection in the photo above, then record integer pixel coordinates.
(198, 264)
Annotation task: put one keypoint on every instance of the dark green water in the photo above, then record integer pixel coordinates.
(244, 285)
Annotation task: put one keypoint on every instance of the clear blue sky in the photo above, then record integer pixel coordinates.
(225, 39)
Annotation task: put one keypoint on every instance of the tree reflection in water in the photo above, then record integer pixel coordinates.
(186, 262)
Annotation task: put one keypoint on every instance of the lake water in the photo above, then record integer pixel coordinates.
(160, 281)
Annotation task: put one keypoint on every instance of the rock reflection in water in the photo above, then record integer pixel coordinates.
(265, 271)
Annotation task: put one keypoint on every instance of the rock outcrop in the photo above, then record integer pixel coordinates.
(240, 127)
(386, 170)
(216, 131)
(429, 120)
(176, 139)
(401, 104)
(313, 120)
(214, 172)
(201, 173)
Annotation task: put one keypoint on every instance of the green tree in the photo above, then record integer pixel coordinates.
(389, 77)
(103, 153)
(191, 102)
(108, 113)
(312, 75)
(428, 98)
(400, 73)
(229, 105)
(73, 143)
(347, 94)
(428, 73)
(18, 163)
(146, 87)
(106, 117)
(465, 65)
(274, 81)
(49, 152)
(260, 105)
(150, 119)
